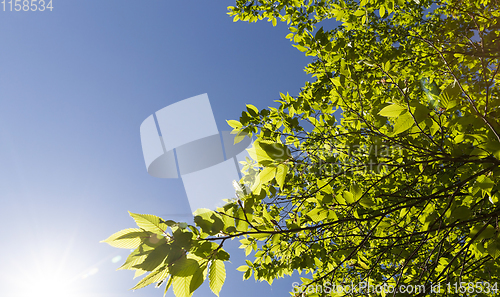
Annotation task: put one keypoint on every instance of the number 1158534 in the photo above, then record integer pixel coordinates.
(27, 5)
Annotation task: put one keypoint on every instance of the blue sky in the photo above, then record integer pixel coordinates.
(75, 85)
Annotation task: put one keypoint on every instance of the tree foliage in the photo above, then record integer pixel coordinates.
(401, 189)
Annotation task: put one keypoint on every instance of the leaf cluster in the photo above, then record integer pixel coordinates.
(384, 168)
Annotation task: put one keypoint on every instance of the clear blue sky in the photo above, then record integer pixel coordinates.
(75, 85)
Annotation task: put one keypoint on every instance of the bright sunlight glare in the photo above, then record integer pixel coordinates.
(53, 269)
(48, 286)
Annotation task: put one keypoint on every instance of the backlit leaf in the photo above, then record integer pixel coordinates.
(217, 276)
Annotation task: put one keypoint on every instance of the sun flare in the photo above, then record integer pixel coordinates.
(48, 286)
(50, 270)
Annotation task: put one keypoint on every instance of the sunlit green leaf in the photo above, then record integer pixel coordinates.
(150, 223)
(127, 239)
(217, 276)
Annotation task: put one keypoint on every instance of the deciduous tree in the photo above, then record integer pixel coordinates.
(384, 169)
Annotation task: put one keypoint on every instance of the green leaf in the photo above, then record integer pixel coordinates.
(461, 212)
(136, 257)
(258, 154)
(234, 124)
(198, 279)
(185, 266)
(494, 249)
(223, 255)
(254, 111)
(367, 202)
(264, 152)
(127, 239)
(183, 271)
(420, 111)
(356, 191)
(493, 147)
(150, 223)
(434, 128)
(242, 268)
(300, 47)
(387, 66)
(449, 97)
(183, 239)
(393, 110)
(167, 286)
(324, 185)
(139, 272)
(247, 274)
(336, 82)
(182, 286)
(349, 197)
(317, 214)
(239, 137)
(281, 172)
(155, 258)
(403, 123)
(267, 174)
(432, 91)
(217, 276)
(264, 177)
(202, 218)
(155, 276)
(382, 11)
(488, 232)
(363, 265)
(340, 199)
(360, 12)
